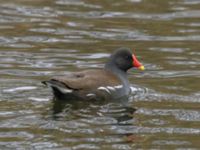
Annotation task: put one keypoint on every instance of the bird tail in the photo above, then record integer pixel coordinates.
(57, 87)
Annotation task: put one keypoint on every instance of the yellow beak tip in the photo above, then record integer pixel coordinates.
(142, 68)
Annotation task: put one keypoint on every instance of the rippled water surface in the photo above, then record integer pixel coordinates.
(43, 38)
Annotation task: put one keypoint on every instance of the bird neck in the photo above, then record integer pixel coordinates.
(121, 74)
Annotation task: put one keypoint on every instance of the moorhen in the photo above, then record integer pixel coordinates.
(108, 82)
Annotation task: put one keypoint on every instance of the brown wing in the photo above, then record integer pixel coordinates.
(89, 79)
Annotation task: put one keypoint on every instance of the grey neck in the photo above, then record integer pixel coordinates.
(122, 75)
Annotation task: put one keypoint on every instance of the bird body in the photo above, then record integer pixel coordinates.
(109, 82)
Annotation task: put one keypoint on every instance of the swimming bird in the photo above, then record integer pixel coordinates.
(109, 82)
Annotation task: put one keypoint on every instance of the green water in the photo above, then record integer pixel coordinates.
(41, 39)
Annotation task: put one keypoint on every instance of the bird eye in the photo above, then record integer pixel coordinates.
(127, 57)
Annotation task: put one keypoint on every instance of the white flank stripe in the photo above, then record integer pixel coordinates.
(111, 88)
(118, 87)
(104, 89)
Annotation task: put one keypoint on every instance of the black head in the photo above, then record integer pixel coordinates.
(123, 59)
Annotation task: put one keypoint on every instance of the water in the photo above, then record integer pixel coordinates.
(41, 39)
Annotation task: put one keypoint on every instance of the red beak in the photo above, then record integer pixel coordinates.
(136, 63)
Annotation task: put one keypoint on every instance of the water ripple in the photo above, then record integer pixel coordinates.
(41, 39)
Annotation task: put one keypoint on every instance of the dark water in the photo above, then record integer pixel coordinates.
(43, 38)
